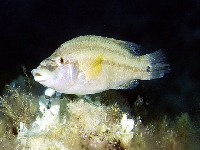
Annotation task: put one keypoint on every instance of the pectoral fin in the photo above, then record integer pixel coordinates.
(94, 68)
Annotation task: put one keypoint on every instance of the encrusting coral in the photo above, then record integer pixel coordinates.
(96, 122)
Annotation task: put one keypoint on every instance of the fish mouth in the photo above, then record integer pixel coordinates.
(38, 76)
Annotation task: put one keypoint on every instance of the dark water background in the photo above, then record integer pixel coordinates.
(30, 31)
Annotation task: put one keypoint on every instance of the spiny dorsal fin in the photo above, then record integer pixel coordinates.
(94, 68)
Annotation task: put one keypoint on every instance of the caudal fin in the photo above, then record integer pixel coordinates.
(157, 67)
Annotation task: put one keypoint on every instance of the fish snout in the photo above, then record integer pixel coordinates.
(38, 76)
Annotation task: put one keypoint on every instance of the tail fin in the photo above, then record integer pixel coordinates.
(157, 67)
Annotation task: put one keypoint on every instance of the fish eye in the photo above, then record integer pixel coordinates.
(61, 60)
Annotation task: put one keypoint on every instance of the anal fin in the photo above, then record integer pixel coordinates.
(129, 85)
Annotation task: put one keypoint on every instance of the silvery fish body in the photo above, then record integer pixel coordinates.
(91, 64)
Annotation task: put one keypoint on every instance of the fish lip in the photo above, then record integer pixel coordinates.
(38, 76)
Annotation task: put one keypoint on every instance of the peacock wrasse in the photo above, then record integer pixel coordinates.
(92, 64)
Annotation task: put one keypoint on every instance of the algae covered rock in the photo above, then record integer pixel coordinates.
(96, 122)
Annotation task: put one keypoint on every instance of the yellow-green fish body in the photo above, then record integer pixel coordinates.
(92, 64)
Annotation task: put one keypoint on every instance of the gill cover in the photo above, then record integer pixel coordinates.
(65, 76)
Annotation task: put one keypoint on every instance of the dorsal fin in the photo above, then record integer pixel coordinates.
(132, 47)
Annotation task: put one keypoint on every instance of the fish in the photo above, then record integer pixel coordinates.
(92, 64)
